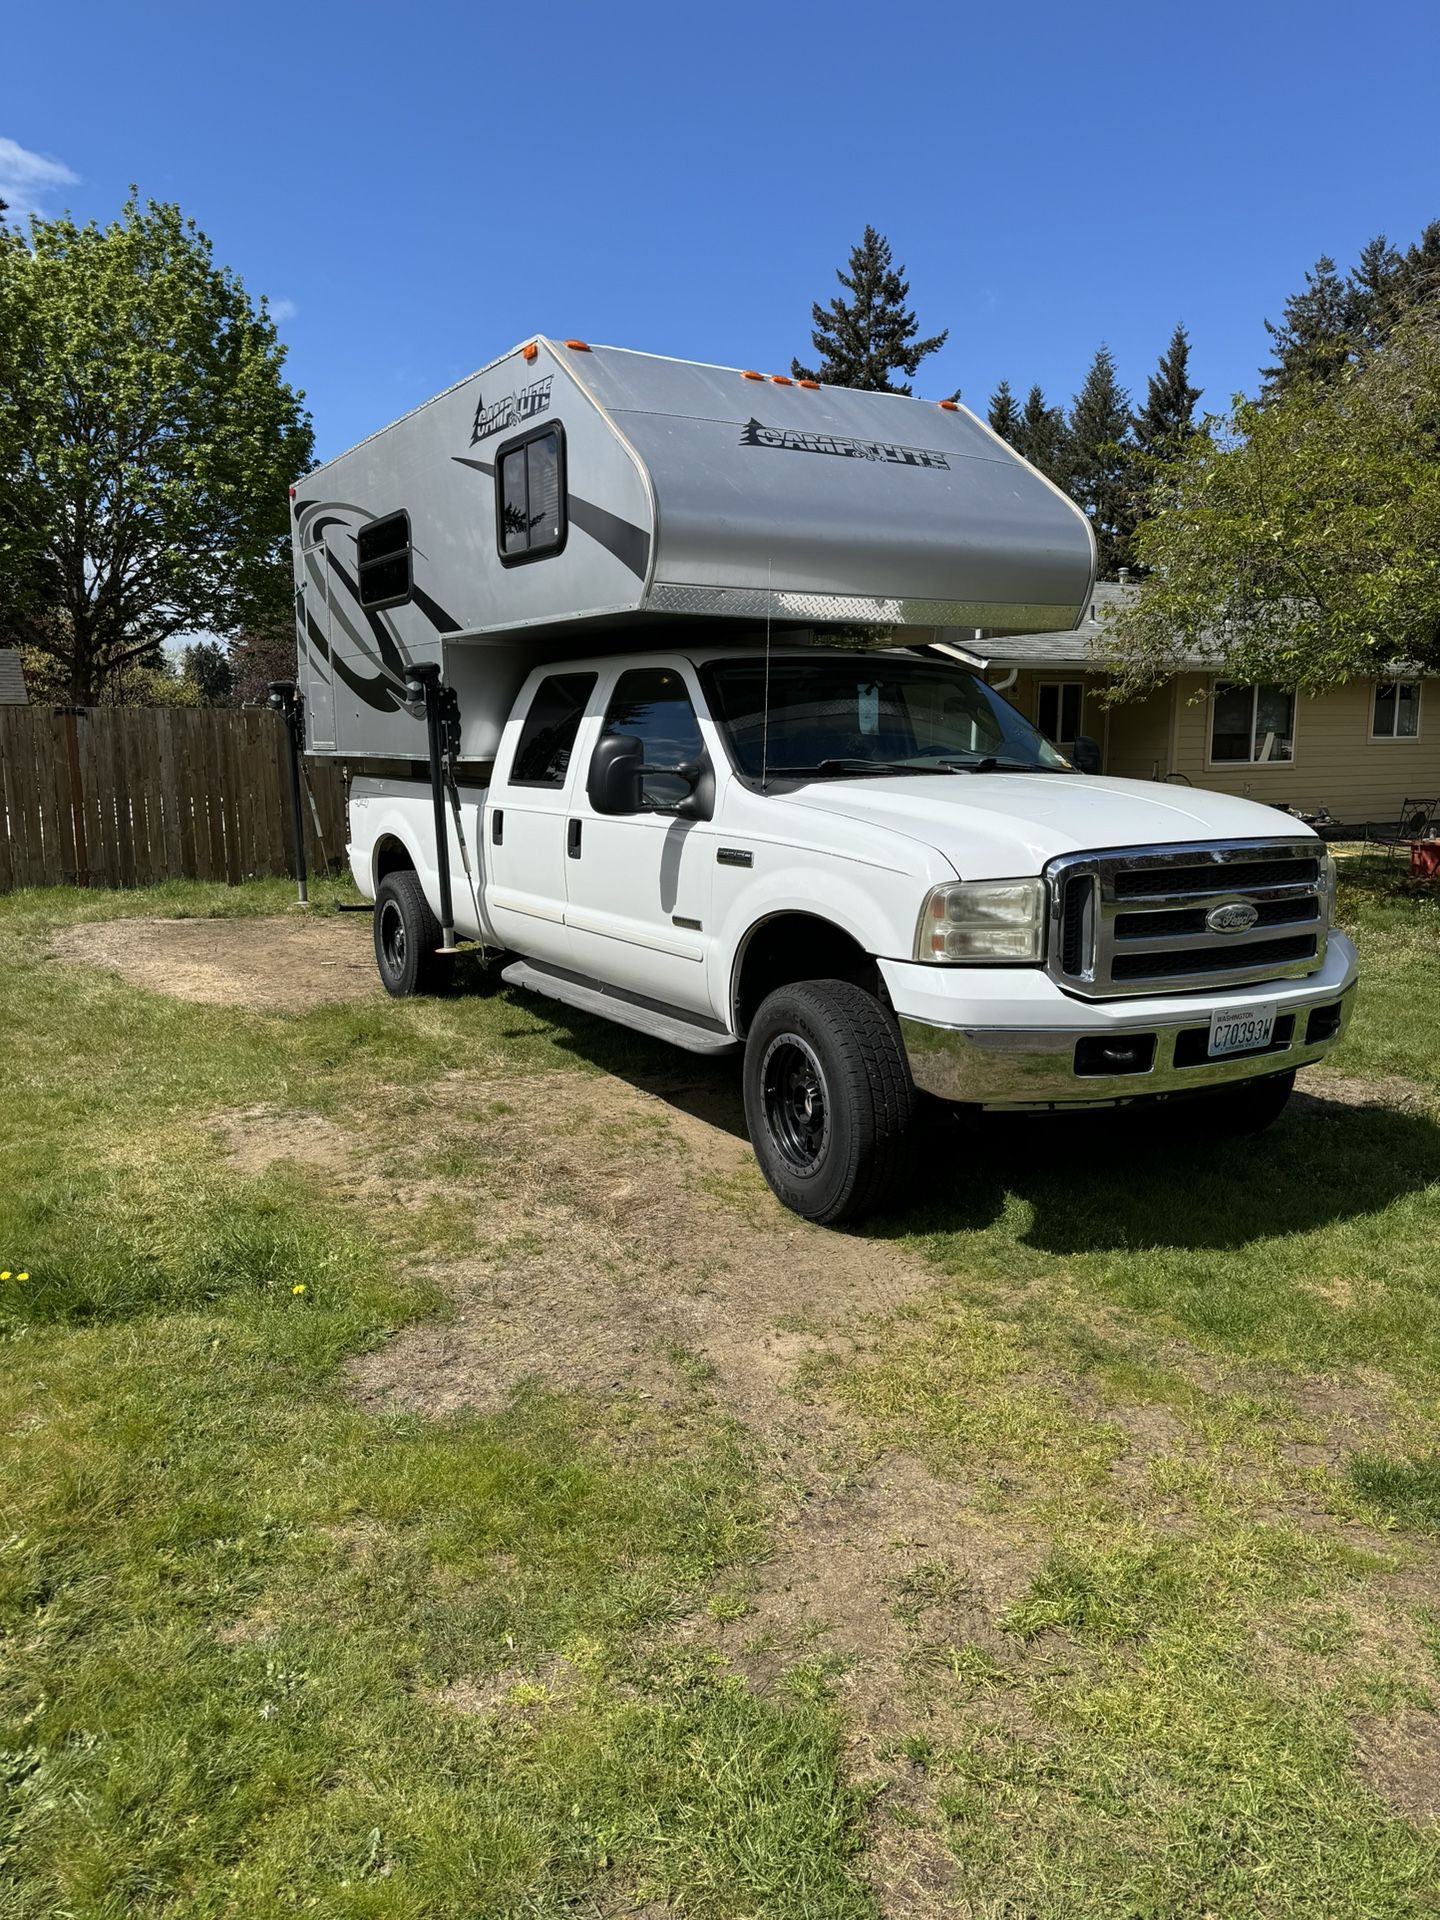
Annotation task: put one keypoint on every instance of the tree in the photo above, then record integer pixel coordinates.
(1302, 543)
(1167, 419)
(1004, 415)
(1040, 436)
(1313, 339)
(260, 655)
(206, 667)
(1101, 464)
(862, 341)
(147, 440)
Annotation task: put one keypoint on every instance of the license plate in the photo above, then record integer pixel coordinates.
(1241, 1029)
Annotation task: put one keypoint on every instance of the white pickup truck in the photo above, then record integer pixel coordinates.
(870, 873)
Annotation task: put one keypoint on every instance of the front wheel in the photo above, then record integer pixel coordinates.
(407, 937)
(828, 1099)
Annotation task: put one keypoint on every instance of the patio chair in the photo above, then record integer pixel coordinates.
(1418, 819)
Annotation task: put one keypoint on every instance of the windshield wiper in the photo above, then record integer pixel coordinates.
(836, 768)
(989, 763)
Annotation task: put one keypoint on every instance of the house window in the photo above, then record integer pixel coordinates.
(382, 553)
(1255, 725)
(530, 496)
(1058, 711)
(1396, 712)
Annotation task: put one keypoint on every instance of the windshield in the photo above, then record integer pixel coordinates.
(833, 715)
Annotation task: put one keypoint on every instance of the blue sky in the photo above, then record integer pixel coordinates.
(417, 188)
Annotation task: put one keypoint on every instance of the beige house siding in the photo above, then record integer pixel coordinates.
(1337, 765)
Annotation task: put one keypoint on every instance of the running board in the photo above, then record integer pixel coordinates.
(655, 1021)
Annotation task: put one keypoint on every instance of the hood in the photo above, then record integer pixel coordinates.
(1005, 825)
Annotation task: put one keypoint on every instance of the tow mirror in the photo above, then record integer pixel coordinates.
(1085, 754)
(615, 767)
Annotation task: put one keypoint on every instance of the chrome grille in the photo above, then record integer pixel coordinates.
(1133, 920)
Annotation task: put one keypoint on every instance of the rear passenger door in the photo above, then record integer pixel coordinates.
(527, 818)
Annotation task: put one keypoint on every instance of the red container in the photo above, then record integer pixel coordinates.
(1425, 858)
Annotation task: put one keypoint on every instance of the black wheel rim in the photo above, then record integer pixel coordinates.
(796, 1102)
(392, 937)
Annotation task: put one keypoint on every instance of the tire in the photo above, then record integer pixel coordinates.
(1239, 1111)
(828, 1100)
(407, 938)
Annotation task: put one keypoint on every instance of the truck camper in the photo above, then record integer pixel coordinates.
(660, 681)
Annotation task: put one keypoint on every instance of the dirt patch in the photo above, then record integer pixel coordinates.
(256, 1138)
(283, 964)
(1399, 1756)
(1321, 1085)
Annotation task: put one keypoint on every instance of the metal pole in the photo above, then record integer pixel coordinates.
(427, 674)
(287, 701)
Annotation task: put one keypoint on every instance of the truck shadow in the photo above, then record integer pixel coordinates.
(1105, 1181)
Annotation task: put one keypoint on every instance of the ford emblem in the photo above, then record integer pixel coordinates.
(1236, 916)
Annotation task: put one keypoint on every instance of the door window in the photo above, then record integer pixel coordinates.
(654, 704)
(547, 739)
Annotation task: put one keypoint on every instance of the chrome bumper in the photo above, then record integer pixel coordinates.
(1021, 1067)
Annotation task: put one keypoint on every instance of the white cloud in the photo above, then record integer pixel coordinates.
(283, 310)
(28, 179)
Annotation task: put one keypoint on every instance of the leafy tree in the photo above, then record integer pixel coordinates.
(1004, 415)
(1101, 463)
(206, 667)
(862, 341)
(1041, 436)
(1302, 542)
(1167, 418)
(260, 655)
(1313, 339)
(147, 439)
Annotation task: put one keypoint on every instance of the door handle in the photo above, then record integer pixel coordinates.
(572, 838)
(497, 828)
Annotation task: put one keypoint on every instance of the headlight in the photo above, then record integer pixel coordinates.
(980, 920)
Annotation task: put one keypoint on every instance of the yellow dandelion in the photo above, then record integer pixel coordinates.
(298, 1290)
(22, 1276)
(5, 1275)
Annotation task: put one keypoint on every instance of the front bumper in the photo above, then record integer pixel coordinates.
(1029, 1059)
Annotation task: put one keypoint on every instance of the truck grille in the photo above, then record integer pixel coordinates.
(1132, 920)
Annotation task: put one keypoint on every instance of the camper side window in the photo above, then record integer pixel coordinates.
(530, 496)
(382, 553)
(547, 739)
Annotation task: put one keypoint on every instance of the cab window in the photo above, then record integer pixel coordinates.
(547, 739)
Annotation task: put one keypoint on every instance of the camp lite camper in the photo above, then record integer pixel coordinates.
(659, 679)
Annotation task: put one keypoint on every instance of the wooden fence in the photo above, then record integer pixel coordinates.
(127, 796)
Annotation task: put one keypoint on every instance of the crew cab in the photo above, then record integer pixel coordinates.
(866, 873)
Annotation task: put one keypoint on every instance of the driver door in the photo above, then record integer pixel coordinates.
(638, 888)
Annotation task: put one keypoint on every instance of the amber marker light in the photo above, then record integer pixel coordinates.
(779, 380)
(949, 406)
(578, 345)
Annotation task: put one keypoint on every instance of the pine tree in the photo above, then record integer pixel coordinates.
(1167, 418)
(1004, 415)
(862, 341)
(1102, 462)
(1376, 291)
(1040, 436)
(1315, 338)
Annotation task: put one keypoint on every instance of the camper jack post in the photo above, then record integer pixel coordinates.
(424, 685)
(286, 699)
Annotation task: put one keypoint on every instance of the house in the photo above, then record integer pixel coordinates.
(1357, 751)
(12, 681)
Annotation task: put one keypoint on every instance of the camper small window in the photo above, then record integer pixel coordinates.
(530, 496)
(547, 739)
(1253, 724)
(1396, 712)
(382, 553)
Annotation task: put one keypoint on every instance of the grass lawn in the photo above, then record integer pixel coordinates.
(1171, 1645)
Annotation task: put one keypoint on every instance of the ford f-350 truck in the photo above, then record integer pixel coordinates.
(654, 789)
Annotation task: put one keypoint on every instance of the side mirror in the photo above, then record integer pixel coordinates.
(613, 784)
(1085, 754)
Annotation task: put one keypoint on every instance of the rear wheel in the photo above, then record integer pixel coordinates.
(1247, 1108)
(407, 937)
(828, 1099)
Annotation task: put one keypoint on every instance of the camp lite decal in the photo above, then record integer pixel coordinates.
(512, 411)
(792, 440)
